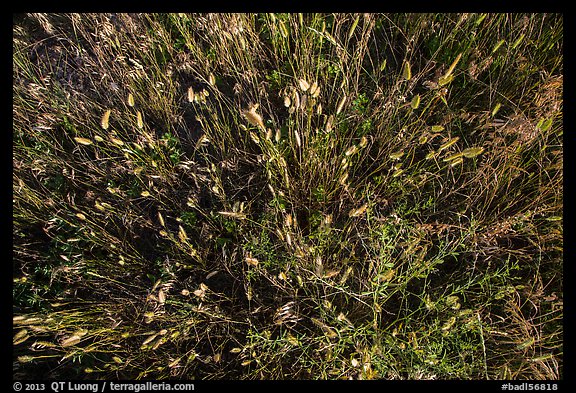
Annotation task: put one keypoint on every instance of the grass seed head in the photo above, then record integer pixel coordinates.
(472, 152)
(353, 27)
(518, 41)
(116, 141)
(496, 109)
(498, 45)
(383, 65)
(104, 122)
(444, 80)
(456, 161)
(149, 339)
(182, 235)
(70, 341)
(359, 211)
(448, 324)
(254, 137)
(329, 123)
(288, 220)
(297, 136)
(351, 151)
(20, 337)
(407, 71)
(341, 104)
(254, 118)
(453, 157)
(236, 215)
(130, 100)
(303, 84)
(303, 101)
(295, 100)
(25, 359)
(449, 143)
(83, 141)
(139, 121)
(161, 296)
(283, 29)
(386, 276)
(453, 66)
(415, 102)
(315, 90)
(331, 273)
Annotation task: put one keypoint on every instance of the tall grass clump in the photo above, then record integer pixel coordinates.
(288, 196)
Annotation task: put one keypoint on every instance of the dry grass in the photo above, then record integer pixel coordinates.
(288, 196)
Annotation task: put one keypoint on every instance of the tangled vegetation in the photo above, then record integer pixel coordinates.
(287, 196)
